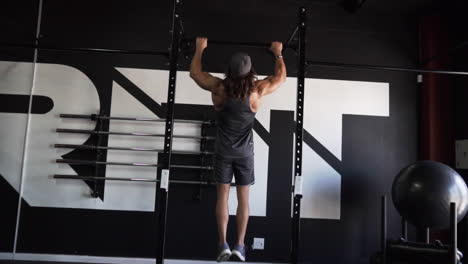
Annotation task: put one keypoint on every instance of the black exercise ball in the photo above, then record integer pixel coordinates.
(423, 191)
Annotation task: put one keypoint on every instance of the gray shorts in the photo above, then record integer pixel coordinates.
(241, 168)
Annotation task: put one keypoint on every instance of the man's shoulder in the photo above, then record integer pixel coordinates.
(219, 89)
(258, 86)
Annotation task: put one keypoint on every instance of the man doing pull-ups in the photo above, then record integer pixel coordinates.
(236, 99)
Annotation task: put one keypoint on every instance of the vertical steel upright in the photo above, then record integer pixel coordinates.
(301, 49)
(99, 171)
(427, 235)
(404, 228)
(162, 190)
(453, 248)
(383, 229)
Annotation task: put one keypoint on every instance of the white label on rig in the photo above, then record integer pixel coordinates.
(461, 154)
(298, 185)
(165, 179)
(420, 78)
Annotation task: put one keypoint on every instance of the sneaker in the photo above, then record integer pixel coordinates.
(224, 253)
(239, 251)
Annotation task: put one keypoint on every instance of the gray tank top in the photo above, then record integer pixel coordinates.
(234, 136)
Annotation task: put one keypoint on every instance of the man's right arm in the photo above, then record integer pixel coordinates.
(273, 82)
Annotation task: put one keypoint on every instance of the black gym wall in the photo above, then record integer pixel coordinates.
(373, 148)
(459, 55)
(461, 131)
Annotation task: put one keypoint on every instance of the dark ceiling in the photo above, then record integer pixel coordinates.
(388, 6)
(411, 7)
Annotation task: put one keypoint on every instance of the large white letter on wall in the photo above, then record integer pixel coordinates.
(325, 103)
(15, 78)
(72, 92)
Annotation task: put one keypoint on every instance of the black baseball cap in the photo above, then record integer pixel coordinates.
(240, 64)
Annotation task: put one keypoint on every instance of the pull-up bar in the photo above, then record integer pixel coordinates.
(190, 41)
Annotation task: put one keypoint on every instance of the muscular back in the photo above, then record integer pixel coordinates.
(219, 96)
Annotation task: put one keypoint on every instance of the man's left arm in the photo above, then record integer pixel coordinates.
(203, 79)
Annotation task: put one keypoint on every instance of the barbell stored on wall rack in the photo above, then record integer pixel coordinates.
(138, 164)
(91, 50)
(96, 117)
(97, 132)
(92, 147)
(94, 178)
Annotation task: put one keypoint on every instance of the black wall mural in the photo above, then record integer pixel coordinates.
(373, 148)
(9, 203)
